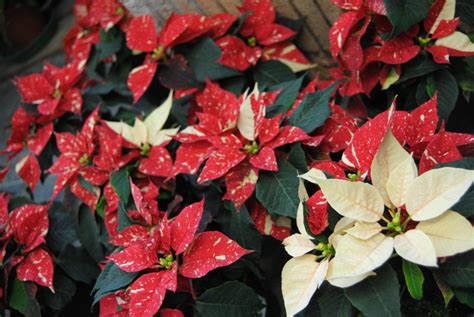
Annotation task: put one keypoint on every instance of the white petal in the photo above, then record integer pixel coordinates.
(192, 130)
(450, 233)
(157, 118)
(300, 278)
(389, 155)
(343, 282)
(415, 246)
(302, 193)
(300, 220)
(356, 257)
(364, 230)
(298, 244)
(339, 230)
(246, 120)
(164, 135)
(436, 191)
(313, 175)
(356, 200)
(446, 13)
(400, 180)
(136, 135)
(457, 41)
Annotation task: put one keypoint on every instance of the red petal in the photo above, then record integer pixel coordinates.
(158, 163)
(4, 199)
(37, 267)
(190, 156)
(140, 78)
(185, 225)
(331, 167)
(423, 121)
(338, 129)
(220, 23)
(398, 50)
(286, 52)
(441, 149)
(440, 54)
(445, 28)
(29, 170)
(236, 54)
(67, 142)
(146, 295)
(433, 14)
(141, 34)
(366, 141)
(29, 225)
(209, 251)
(340, 30)
(262, 12)
(265, 160)
(87, 197)
(72, 101)
(287, 135)
(240, 183)
(269, 129)
(130, 235)
(182, 28)
(135, 258)
(37, 143)
(352, 53)
(317, 218)
(34, 88)
(48, 107)
(167, 312)
(94, 175)
(139, 202)
(269, 34)
(220, 163)
(265, 224)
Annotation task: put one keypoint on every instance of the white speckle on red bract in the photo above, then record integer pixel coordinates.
(317, 217)
(140, 78)
(189, 157)
(265, 160)
(29, 170)
(210, 250)
(441, 149)
(134, 258)
(220, 162)
(146, 295)
(240, 183)
(184, 226)
(29, 225)
(158, 163)
(37, 267)
(130, 235)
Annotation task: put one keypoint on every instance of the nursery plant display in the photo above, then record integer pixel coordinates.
(205, 168)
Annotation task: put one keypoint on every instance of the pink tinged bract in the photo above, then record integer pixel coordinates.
(37, 267)
(185, 225)
(134, 258)
(209, 251)
(140, 78)
(29, 225)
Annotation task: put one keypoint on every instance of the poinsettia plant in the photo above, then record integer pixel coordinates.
(205, 167)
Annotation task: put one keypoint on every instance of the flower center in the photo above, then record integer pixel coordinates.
(252, 41)
(327, 250)
(119, 11)
(56, 93)
(396, 224)
(251, 148)
(145, 149)
(424, 41)
(84, 159)
(354, 176)
(157, 53)
(167, 261)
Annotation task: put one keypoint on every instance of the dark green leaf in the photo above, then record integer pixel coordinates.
(22, 298)
(286, 98)
(297, 158)
(176, 74)
(271, 73)
(465, 206)
(465, 296)
(111, 279)
(333, 303)
(78, 264)
(467, 163)
(278, 191)
(377, 295)
(202, 58)
(124, 219)
(414, 279)
(121, 183)
(231, 299)
(64, 290)
(88, 232)
(448, 92)
(418, 67)
(406, 13)
(465, 10)
(110, 43)
(458, 271)
(313, 111)
(62, 228)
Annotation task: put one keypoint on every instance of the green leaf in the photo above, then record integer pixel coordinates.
(458, 271)
(88, 232)
(297, 158)
(124, 219)
(278, 191)
(333, 303)
(465, 10)
(78, 264)
(231, 299)
(202, 58)
(466, 163)
(111, 279)
(445, 289)
(110, 42)
(240, 227)
(448, 92)
(64, 290)
(313, 111)
(418, 67)
(62, 228)
(286, 98)
(414, 279)
(465, 296)
(465, 205)
(121, 183)
(21, 297)
(377, 295)
(272, 72)
(405, 13)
